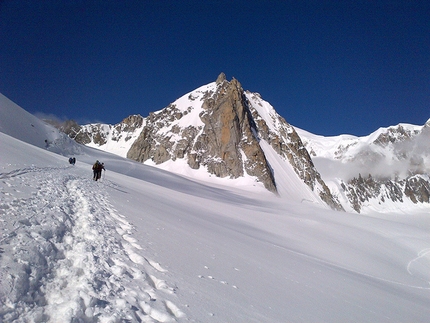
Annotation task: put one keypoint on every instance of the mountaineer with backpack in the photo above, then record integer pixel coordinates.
(97, 170)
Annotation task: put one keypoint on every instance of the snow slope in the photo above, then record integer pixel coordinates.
(146, 245)
(395, 152)
(289, 185)
(346, 156)
(118, 140)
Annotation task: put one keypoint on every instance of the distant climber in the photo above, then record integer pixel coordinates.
(72, 161)
(97, 170)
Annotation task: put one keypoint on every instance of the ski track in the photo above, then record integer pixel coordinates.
(76, 256)
(422, 261)
(421, 254)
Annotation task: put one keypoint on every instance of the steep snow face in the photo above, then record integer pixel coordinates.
(284, 141)
(267, 112)
(20, 124)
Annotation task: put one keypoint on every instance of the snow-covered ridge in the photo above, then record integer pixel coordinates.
(385, 170)
(116, 139)
(396, 151)
(346, 147)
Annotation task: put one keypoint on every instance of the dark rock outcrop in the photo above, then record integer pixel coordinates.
(224, 143)
(362, 190)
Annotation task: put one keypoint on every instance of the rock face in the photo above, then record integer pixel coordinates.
(225, 139)
(361, 190)
(223, 142)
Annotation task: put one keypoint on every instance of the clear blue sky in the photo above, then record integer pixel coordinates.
(329, 67)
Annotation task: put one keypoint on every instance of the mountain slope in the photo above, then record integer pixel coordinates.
(21, 125)
(387, 169)
(221, 130)
(116, 139)
(145, 245)
(220, 139)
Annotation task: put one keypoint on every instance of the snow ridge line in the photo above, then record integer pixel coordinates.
(78, 260)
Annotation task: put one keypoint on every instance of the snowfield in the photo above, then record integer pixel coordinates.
(68, 255)
(146, 245)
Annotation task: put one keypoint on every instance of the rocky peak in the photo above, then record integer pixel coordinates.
(392, 135)
(224, 137)
(222, 142)
(221, 78)
(228, 130)
(130, 123)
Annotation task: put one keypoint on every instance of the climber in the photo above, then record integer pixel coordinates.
(97, 170)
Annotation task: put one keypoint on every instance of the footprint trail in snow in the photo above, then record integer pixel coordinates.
(76, 256)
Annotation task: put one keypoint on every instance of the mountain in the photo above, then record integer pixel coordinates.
(113, 138)
(389, 168)
(228, 132)
(147, 245)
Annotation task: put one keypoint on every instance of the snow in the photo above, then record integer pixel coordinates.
(351, 155)
(265, 110)
(116, 143)
(191, 101)
(146, 245)
(341, 158)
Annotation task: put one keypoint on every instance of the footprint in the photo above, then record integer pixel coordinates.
(173, 309)
(156, 265)
(132, 241)
(157, 283)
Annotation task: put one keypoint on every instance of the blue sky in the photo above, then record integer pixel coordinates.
(326, 67)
